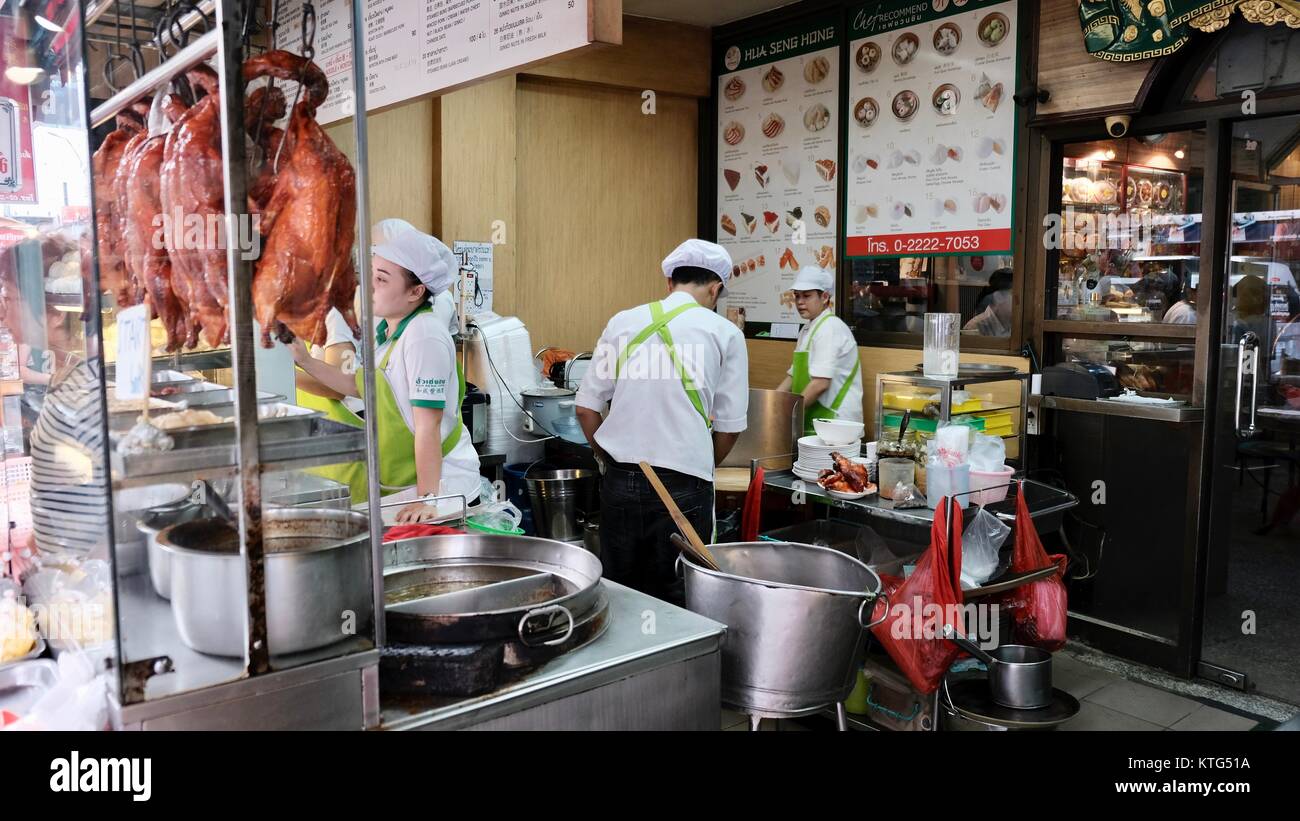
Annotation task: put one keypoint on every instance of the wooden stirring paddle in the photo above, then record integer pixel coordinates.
(683, 524)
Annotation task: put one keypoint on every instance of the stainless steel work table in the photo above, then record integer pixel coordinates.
(656, 667)
(1046, 503)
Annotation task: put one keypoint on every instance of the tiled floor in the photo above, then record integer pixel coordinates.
(1108, 702)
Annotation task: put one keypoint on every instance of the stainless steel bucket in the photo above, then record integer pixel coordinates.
(796, 619)
(318, 570)
(557, 497)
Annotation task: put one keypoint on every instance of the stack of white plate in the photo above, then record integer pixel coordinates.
(815, 456)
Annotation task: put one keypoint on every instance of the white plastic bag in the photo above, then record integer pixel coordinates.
(988, 454)
(77, 703)
(980, 545)
(493, 512)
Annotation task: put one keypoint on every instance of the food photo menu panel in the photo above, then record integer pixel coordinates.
(778, 166)
(930, 128)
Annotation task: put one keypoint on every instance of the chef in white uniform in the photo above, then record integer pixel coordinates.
(826, 370)
(341, 348)
(423, 445)
(668, 384)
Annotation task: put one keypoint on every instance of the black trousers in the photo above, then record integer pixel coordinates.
(635, 526)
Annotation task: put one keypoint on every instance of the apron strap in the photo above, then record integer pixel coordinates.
(844, 389)
(659, 325)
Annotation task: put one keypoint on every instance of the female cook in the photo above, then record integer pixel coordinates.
(424, 448)
(341, 349)
(826, 370)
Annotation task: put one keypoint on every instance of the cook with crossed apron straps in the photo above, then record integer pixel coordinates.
(813, 287)
(412, 379)
(678, 407)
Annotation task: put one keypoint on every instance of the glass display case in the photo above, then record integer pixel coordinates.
(1158, 368)
(205, 539)
(1128, 248)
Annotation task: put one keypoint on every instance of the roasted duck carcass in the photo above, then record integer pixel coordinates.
(108, 232)
(263, 107)
(139, 201)
(192, 187)
(307, 219)
(847, 477)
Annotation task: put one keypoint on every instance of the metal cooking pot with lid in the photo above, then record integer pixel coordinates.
(796, 619)
(544, 406)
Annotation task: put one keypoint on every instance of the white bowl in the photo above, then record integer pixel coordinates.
(838, 431)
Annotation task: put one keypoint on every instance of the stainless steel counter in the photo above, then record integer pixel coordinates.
(657, 667)
(1110, 407)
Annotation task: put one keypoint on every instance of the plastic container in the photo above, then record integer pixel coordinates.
(944, 481)
(895, 470)
(923, 425)
(987, 482)
(942, 345)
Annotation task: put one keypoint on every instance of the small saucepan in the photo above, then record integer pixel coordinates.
(1020, 677)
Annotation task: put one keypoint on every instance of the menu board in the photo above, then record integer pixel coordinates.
(778, 155)
(930, 128)
(417, 47)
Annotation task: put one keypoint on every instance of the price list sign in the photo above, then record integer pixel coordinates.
(418, 47)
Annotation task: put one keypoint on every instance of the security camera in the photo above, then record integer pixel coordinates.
(1117, 126)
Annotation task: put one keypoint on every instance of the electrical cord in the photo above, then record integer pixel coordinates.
(487, 350)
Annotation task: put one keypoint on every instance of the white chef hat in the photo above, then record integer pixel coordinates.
(426, 256)
(386, 229)
(697, 253)
(812, 278)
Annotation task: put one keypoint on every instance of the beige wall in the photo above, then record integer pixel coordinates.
(590, 191)
(402, 172)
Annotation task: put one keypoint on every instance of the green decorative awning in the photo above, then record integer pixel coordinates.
(1122, 31)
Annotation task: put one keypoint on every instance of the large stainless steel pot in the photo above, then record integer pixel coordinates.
(317, 572)
(474, 575)
(796, 619)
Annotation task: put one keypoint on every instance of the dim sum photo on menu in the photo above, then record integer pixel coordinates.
(931, 130)
(778, 148)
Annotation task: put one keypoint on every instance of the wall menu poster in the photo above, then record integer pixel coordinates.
(931, 128)
(778, 155)
(418, 47)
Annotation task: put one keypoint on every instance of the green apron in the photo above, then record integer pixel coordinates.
(659, 325)
(396, 442)
(800, 378)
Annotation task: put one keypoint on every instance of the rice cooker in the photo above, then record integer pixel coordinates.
(545, 406)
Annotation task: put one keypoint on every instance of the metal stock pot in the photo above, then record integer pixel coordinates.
(796, 619)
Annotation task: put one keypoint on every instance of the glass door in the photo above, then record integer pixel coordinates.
(1252, 582)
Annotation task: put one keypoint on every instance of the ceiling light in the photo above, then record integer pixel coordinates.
(1180, 153)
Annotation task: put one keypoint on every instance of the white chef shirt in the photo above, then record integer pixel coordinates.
(337, 332)
(422, 371)
(833, 354)
(650, 417)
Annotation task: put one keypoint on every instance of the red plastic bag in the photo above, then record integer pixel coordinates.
(749, 522)
(1038, 608)
(919, 607)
